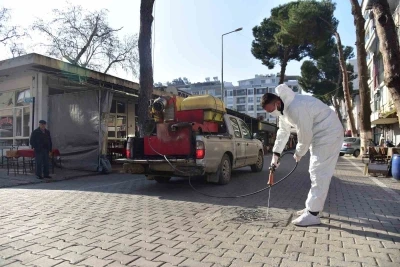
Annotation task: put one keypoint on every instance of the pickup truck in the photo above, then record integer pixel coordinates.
(177, 150)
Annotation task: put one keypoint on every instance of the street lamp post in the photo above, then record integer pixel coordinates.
(222, 62)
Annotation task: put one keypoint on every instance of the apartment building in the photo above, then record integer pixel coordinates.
(246, 97)
(385, 125)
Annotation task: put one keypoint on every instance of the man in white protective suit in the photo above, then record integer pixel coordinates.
(318, 129)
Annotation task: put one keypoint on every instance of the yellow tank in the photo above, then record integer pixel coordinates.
(214, 108)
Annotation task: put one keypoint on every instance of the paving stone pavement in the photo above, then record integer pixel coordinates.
(125, 220)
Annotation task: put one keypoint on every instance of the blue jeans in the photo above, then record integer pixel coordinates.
(42, 162)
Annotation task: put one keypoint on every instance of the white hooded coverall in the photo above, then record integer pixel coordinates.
(318, 128)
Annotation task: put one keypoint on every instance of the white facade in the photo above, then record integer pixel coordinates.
(385, 126)
(247, 97)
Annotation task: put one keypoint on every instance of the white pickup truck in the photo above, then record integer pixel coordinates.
(176, 150)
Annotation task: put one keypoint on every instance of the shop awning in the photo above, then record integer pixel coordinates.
(382, 121)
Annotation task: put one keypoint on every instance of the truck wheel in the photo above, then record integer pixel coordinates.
(224, 170)
(259, 164)
(162, 179)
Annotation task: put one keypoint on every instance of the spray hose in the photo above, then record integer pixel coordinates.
(270, 180)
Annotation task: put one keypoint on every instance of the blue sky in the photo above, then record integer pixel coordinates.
(188, 33)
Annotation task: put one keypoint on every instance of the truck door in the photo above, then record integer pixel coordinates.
(251, 146)
(239, 143)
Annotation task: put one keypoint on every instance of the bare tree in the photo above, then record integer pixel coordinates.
(9, 35)
(146, 66)
(365, 98)
(85, 38)
(389, 48)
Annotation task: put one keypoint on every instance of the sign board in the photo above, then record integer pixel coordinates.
(29, 99)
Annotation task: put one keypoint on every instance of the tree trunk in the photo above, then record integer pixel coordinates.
(283, 66)
(336, 105)
(389, 48)
(146, 67)
(346, 89)
(364, 91)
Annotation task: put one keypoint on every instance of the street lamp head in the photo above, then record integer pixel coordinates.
(238, 29)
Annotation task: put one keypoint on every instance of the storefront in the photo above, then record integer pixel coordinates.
(83, 108)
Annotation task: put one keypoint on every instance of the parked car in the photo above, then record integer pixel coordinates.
(351, 146)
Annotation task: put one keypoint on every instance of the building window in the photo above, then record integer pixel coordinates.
(258, 99)
(250, 108)
(15, 118)
(261, 91)
(250, 91)
(259, 108)
(262, 81)
(241, 108)
(250, 99)
(271, 90)
(241, 92)
(273, 81)
(117, 121)
(229, 93)
(241, 100)
(251, 82)
(295, 88)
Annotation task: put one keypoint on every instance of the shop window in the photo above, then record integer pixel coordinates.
(6, 123)
(117, 121)
(111, 126)
(121, 126)
(15, 118)
(121, 107)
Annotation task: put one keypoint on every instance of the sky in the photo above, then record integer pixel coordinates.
(187, 33)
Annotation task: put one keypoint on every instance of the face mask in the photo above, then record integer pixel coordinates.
(276, 112)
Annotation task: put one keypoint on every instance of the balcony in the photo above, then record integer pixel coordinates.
(371, 43)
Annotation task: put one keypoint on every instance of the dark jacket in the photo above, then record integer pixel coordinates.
(41, 140)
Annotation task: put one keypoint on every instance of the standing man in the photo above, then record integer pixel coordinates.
(41, 143)
(318, 129)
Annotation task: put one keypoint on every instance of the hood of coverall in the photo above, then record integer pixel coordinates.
(286, 94)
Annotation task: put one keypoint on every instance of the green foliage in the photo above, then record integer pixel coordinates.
(322, 76)
(293, 31)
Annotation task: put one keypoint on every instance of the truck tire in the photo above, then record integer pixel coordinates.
(259, 164)
(224, 170)
(162, 179)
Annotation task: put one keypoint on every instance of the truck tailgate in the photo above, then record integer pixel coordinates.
(169, 143)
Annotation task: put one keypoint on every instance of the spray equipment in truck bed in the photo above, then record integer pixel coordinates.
(204, 112)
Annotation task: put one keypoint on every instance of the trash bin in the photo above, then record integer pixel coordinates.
(396, 166)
